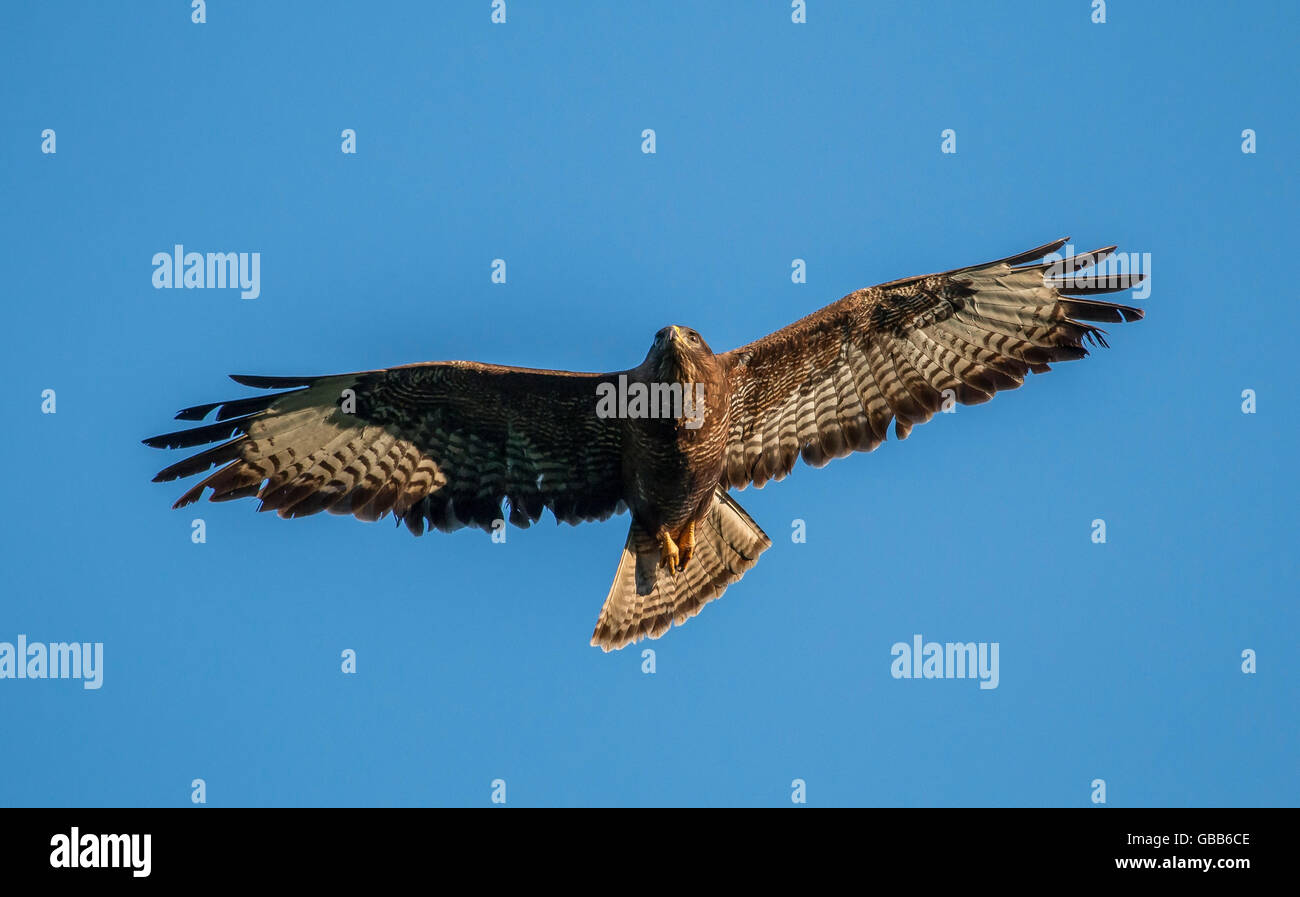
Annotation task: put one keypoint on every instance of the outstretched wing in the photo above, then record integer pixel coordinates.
(830, 384)
(440, 444)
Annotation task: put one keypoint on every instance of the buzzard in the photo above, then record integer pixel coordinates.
(441, 445)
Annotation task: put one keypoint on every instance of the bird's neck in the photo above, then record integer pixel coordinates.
(674, 368)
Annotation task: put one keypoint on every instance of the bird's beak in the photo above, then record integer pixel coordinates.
(676, 336)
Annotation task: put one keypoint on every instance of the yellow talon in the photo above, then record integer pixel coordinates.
(686, 543)
(667, 551)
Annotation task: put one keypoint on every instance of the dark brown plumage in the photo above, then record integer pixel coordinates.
(443, 445)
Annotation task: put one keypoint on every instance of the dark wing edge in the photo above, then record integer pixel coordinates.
(441, 445)
(831, 383)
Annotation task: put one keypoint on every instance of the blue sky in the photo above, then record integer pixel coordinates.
(775, 141)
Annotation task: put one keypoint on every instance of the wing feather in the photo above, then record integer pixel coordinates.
(439, 445)
(832, 382)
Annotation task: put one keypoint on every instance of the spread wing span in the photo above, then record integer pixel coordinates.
(441, 444)
(831, 383)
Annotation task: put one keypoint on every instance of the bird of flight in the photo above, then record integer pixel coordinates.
(443, 444)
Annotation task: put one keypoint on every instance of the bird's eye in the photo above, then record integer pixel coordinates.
(695, 338)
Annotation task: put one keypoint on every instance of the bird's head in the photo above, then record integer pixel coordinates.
(680, 354)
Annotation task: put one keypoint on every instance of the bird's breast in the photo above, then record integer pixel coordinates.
(673, 463)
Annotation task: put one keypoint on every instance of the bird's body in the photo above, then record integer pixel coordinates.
(444, 444)
(673, 462)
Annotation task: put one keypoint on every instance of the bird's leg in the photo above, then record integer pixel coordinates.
(667, 550)
(686, 543)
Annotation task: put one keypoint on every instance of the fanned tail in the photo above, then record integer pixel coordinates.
(645, 600)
